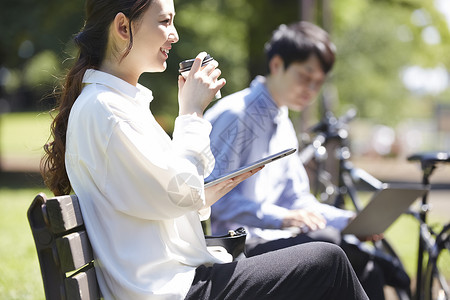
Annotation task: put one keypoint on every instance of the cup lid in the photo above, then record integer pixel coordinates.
(186, 65)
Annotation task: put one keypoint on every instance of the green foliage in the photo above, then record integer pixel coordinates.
(40, 70)
(376, 41)
(47, 25)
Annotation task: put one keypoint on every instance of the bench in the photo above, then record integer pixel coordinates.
(64, 251)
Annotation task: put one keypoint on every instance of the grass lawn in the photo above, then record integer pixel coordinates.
(403, 236)
(22, 135)
(21, 277)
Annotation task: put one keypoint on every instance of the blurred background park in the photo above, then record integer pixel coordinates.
(393, 62)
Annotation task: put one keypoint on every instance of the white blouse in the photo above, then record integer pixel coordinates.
(140, 191)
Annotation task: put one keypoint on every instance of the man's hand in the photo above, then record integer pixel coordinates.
(304, 220)
(371, 238)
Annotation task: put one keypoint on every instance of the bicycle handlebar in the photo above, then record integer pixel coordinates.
(309, 151)
(330, 124)
(348, 116)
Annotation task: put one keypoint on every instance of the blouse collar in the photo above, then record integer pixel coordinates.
(135, 92)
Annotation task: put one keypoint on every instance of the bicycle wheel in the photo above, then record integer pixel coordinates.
(436, 285)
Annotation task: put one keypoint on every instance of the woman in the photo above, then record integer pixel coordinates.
(141, 193)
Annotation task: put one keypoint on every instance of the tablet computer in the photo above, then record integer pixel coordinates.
(249, 167)
(385, 206)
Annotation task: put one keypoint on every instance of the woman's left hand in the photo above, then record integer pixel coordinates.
(215, 192)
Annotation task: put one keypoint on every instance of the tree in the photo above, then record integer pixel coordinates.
(32, 45)
(376, 41)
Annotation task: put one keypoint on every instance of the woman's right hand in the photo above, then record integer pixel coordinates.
(198, 89)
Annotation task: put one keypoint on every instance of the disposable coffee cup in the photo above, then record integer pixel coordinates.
(186, 65)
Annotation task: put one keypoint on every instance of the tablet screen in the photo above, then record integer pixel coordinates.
(249, 167)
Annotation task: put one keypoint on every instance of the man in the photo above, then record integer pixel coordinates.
(275, 204)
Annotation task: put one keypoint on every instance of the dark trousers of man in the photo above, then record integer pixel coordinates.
(309, 271)
(369, 272)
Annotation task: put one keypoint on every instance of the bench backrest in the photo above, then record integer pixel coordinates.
(63, 248)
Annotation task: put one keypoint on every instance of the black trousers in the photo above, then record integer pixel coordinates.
(309, 271)
(370, 274)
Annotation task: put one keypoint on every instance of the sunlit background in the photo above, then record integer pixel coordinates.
(392, 66)
(393, 62)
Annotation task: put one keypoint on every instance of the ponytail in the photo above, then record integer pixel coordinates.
(53, 168)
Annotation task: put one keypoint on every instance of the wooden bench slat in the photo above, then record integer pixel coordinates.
(64, 213)
(74, 251)
(82, 286)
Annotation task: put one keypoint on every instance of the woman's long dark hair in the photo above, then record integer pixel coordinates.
(91, 41)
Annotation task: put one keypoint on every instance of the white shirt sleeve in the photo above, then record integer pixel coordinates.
(170, 177)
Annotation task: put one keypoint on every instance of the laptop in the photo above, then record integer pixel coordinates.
(386, 205)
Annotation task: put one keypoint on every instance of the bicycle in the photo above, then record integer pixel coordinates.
(333, 187)
(433, 243)
(333, 131)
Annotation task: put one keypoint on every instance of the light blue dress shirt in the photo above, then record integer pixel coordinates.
(248, 126)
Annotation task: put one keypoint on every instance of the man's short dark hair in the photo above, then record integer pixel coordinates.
(298, 41)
